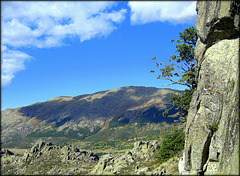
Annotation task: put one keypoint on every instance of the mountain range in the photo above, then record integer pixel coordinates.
(88, 117)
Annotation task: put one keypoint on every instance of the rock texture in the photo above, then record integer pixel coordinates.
(122, 163)
(212, 129)
(138, 161)
(44, 158)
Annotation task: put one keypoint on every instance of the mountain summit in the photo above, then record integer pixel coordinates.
(84, 115)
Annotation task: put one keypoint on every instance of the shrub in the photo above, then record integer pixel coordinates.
(213, 127)
(172, 143)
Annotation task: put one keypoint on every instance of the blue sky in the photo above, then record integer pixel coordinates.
(51, 49)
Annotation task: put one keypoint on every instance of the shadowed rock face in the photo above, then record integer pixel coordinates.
(212, 129)
(83, 113)
(217, 20)
(6, 152)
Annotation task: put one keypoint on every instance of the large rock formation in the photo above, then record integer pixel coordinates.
(121, 163)
(212, 129)
(44, 158)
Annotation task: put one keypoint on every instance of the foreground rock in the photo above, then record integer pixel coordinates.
(44, 158)
(212, 129)
(47, 159)
(128, 162)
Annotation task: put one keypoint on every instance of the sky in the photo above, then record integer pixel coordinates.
(60, 48)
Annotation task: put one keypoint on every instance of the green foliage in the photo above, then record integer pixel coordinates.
(213, 126)
(181, 70)
(117, 121)
(182, 102)
(100, 145)
(100, 136)
(81, 133)
(111, 144)
(130, 146)
(153, 136)
(153, 115)
(172, 143)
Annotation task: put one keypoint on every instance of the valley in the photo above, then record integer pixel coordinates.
(108, 124)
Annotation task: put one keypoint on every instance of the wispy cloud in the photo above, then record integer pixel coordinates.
(174, 12)
(47, 24)
(12, 62)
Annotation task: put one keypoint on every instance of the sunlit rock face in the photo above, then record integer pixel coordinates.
(212, 129)
(44, 158)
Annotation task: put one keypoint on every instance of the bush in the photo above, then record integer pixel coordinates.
(173, 142)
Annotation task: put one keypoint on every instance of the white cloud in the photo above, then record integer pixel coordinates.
(47, 24)
(150, 11)
(12, 62)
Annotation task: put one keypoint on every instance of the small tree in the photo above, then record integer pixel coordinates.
(181, 70)
(173, 142)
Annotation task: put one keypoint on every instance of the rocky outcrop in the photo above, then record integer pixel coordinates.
(9, 161)
(217, 20)
(212, 128)
(37, 150)
(71, 153)
(44, 158)
(6, 153)
(128, 162)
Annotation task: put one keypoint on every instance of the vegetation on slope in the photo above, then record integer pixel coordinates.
(181, 70)
(172, 143)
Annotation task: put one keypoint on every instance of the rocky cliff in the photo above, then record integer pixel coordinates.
(212, 128)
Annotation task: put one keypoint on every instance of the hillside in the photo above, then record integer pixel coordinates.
(111, 115)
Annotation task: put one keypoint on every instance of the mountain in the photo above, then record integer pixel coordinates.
(85, 116)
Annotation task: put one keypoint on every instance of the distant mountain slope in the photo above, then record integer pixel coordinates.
(84, 115)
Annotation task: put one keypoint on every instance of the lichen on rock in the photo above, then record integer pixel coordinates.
(212, 128)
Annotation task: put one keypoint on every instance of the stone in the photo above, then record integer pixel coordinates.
(44, 158)
(6, 152)
(73, 153)
(217, 20)
(116, 164)
(212, 127)
(142, 170)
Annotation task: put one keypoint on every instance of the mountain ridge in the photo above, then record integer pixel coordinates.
(87, 94)
(84, 115)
